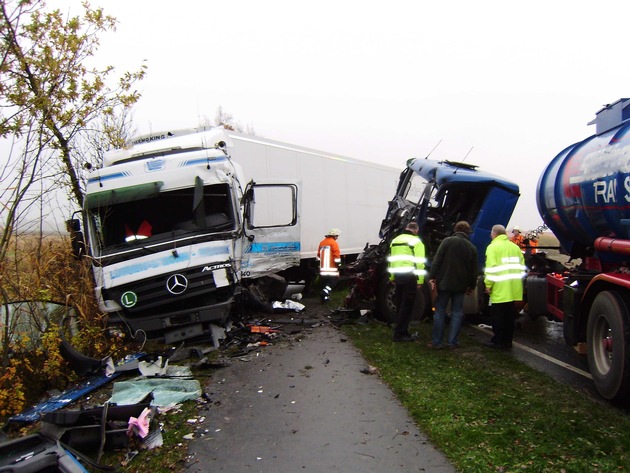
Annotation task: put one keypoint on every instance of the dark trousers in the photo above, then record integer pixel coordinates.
(328, 283)
(503, 316)
(406, 288)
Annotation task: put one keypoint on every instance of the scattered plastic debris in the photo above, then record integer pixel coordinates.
(288, 305)
(140, 425)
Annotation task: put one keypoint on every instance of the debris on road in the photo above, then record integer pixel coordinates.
(161, 387)
(370, 370)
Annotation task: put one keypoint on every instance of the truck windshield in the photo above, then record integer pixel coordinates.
(414, 188)
(160, 218)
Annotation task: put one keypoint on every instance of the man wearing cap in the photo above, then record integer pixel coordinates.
(406, 268)
(517, 238)
(329, 258)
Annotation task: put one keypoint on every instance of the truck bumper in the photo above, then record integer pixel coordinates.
(175, 326)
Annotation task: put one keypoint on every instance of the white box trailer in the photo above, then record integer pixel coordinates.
(337, 191)
(182, 225)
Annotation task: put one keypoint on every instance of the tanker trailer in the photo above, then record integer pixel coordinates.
(583, 197)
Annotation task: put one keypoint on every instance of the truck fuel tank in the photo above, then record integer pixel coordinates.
(584, 193)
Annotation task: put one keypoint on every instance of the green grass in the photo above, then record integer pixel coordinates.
(489, 412)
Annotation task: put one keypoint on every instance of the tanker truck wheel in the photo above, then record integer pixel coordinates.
(609, 345)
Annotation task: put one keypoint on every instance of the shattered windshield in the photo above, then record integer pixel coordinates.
(414, 188)
(161, 217)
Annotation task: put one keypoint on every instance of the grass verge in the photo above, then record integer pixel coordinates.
(489, 412)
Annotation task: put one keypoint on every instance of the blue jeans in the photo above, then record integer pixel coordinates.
(457, 316)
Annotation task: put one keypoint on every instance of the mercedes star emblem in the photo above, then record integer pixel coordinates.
(177, 284)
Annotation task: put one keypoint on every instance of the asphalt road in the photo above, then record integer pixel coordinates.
(306, 405)
(540, 343)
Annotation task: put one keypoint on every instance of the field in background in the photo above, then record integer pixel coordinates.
(549, 239)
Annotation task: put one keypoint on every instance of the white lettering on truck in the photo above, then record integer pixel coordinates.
(148, 139)
(607, 190)
(216, 266)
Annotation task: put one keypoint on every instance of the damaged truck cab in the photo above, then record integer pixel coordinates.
(173, 229)
(435, 194)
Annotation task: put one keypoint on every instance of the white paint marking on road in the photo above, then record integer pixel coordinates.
(539, 354)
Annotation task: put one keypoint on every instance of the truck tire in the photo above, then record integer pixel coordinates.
(608, 342)
(385, 302)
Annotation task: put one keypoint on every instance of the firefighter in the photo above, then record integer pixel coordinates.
(406, 268)
(532, 244)
(517, 238)
(329, 258)
(505, 269)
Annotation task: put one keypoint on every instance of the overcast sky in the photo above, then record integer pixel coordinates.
(516, 82)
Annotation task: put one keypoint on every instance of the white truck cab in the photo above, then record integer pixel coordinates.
(173, 229)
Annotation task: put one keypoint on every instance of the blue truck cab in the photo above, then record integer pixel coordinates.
(436, 195)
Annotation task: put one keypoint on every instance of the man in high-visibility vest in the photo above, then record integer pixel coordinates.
(329, 257)
(505, 269)
(406, 268)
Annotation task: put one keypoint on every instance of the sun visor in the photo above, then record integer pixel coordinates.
(123, 194)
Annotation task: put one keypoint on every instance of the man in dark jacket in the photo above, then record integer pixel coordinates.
(453, 273)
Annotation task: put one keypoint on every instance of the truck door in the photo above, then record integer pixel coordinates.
(271, 228)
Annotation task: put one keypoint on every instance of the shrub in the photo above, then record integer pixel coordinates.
(43, 268)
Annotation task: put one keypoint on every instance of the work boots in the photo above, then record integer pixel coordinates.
(325, 294)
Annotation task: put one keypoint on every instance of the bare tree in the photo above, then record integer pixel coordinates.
(23, 168)
(50, 101)
(45, 80)
(111, 131)
(226, 120)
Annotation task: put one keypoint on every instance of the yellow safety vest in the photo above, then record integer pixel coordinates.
(406, 256)
(505, 270)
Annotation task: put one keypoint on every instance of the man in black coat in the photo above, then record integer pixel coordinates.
(453, 273)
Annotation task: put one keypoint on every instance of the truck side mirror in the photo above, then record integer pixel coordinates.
(76, 237)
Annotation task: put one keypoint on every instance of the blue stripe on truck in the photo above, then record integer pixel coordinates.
(274, 247)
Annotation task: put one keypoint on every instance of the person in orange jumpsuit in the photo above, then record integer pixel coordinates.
(329, 257)
(517, 238)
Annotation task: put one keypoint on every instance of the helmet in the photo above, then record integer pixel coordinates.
(334, 232)
(516, 229)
